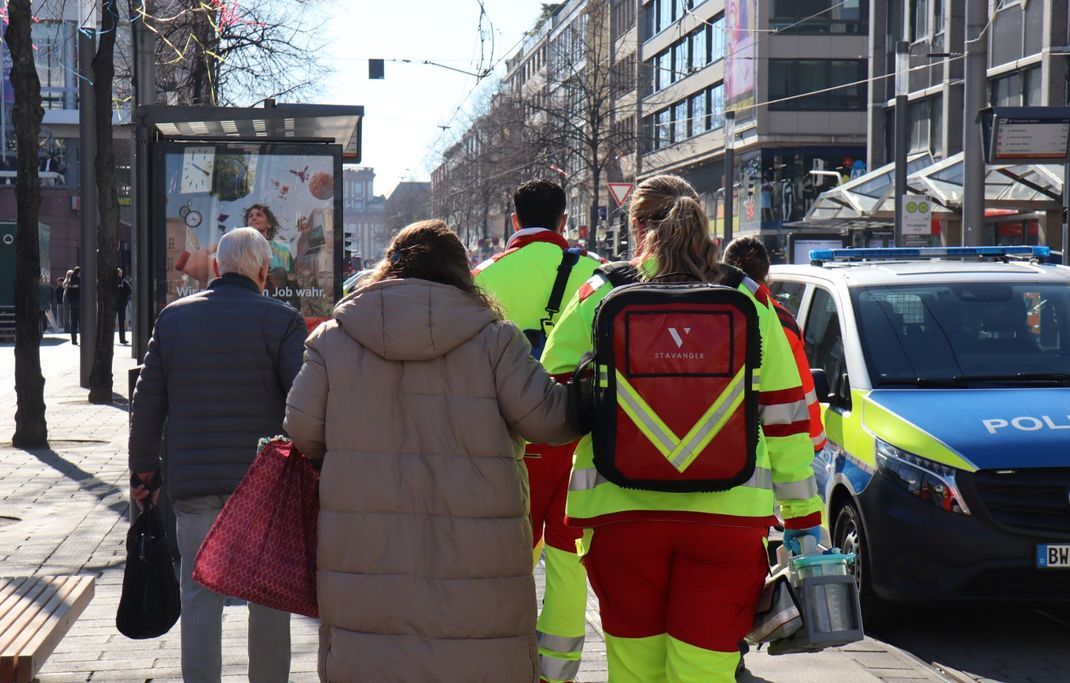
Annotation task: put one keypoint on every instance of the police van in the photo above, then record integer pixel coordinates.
(944, 376)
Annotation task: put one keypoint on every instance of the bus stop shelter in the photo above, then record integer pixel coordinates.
(202, 171)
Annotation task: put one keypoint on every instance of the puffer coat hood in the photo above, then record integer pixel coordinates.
(426, 319)
(419, 401)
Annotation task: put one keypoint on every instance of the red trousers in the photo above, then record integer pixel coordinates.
(698, 583)
(548, 472)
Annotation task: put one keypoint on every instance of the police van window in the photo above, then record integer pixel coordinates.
(788, 294)
(824, 345)
(958, 335)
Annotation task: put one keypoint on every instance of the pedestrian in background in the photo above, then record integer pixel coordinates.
(217, 371)
(424, 549)
(122, 300)
(749, 255)
(72, 296)
(57, 305)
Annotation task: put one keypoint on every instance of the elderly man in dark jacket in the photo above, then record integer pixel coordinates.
(216, 375)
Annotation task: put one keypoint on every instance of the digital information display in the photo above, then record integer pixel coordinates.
(1034, 140)
(1026, 134)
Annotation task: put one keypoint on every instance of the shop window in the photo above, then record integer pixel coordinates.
(836, 84)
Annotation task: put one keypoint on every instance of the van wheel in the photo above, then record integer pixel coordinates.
(849, 535)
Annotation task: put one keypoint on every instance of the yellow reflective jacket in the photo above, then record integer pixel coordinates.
(521, 277)
(782, 474)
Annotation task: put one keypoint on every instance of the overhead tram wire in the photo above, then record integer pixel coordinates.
(479, 79)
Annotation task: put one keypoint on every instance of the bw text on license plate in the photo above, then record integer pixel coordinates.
(1053, 556)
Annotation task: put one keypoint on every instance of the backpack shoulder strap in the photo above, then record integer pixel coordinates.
(620, 273)
(569, 258)
(730, 276)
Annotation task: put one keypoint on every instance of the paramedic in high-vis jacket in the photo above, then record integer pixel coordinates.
(532, 279)
(678, 575)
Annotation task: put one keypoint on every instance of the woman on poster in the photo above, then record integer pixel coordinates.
(259, 216)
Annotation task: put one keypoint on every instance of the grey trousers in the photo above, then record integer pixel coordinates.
(202, 611)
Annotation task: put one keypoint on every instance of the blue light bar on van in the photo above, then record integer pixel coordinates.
(906, 253)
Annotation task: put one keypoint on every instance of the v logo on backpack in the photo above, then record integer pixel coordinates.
(676, 336)
(675, 375)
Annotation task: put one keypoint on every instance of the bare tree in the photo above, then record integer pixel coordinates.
(100, 377)
(571, 117)
(31, 429)
(213, 52)
(494, 155)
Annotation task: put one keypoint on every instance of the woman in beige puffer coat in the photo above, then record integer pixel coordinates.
(418, 397)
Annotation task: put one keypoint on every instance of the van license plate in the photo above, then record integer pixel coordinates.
(1051, 556)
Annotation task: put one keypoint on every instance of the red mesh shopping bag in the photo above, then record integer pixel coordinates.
(262, 547)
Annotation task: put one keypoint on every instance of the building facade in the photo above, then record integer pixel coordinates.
(793, 73)
(1028, 46)
(364, 217)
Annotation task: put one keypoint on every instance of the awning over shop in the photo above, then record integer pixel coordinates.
(1026, 187)
(338, 124)
(869, 201)
(866, 201)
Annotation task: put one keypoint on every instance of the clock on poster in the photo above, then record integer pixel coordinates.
(198, 167)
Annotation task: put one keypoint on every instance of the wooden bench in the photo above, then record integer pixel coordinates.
(35, 614)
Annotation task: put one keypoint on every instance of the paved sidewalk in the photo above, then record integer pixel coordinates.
(63, 511)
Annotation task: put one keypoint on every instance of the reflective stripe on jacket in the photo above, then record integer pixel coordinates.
(813, 406)
(783, 473)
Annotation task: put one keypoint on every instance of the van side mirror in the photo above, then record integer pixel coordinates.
(821, 384)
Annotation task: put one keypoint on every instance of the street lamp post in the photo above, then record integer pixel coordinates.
(976, 84)
(87, 190)
(729, 173)
(902, 136)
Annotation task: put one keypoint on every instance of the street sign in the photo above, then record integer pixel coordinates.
(620, 192)
(1026, 134)
(918, 215)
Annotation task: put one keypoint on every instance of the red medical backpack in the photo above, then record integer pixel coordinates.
(675, 374)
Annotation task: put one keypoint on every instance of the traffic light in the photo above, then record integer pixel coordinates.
(376, 69)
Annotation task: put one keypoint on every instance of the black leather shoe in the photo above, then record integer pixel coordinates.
(744, 648)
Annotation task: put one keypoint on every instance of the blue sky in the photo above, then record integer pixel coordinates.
(403, 111)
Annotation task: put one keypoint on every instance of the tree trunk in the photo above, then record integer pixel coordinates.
(100, 377)
(31, 430)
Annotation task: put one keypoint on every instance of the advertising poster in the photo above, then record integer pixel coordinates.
(290, 193)
(741, 57)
